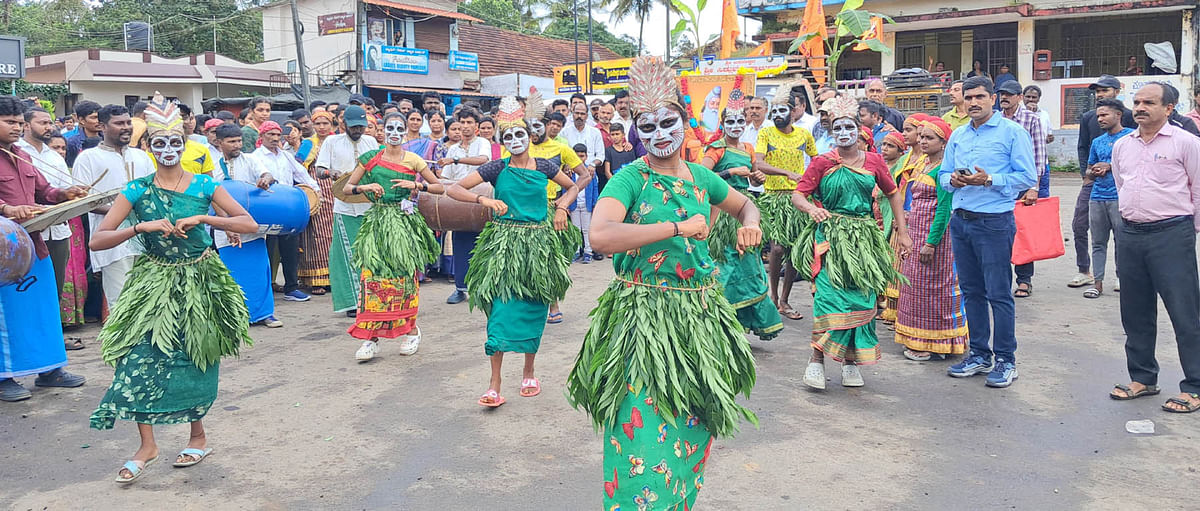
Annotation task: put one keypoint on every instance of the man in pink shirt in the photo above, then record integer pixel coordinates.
(1157, 171)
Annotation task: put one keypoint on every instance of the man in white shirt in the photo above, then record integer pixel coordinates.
(36, 142)
(112, 165)
(461, 159)
(339, 155)
(245, 254)
(578, 132)
(283, 168)
(756, 113)
(624, 116)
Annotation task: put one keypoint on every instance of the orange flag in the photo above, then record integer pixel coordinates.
(729, 28)
(814, 49)
(875, 32)
(762, 50)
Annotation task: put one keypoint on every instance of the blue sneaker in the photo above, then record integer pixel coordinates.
(296, 296)
(1003, 375)
(970, 366)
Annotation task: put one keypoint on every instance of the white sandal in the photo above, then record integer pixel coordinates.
(135, 468)
(851, 377)
(814, 376)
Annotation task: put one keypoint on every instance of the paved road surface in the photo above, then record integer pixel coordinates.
(299, 425)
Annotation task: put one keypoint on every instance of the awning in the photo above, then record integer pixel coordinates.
(423, 10)
(445, 92)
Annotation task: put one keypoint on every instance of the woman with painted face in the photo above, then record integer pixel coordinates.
(665, 355)
(931, 323)
(393, 244)
(741, 274)
(519, 265)
(850, 258)
(181, 311)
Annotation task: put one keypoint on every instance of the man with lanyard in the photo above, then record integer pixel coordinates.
(260, 112)
(461, 159)
(985, 165)
(284, 169)
(30, 327)
(110, 166)
(339, 155)
(245, 254)
(1013, 107)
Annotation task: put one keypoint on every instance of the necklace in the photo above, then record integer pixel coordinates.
(173, 186)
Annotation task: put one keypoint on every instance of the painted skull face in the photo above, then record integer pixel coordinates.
(845, 132)
(167, 149)
(781, 115)
(393, 132)
(537, 127)
(661, 131)
(515, 139)
(734, 124)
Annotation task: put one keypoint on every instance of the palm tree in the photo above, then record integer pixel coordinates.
(640, 9)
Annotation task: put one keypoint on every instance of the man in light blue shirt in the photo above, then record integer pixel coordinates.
(985, 165)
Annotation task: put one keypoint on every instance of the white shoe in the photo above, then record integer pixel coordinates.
(368, 351)
(409, 345)
(851, 377)
(814, 376)
(1080, 280)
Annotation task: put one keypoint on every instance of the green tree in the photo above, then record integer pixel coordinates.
(638, 9)
(850, 25)
(505, 14)
(563, 27)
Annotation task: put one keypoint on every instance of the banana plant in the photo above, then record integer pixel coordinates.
(689, 20)
(851, 25)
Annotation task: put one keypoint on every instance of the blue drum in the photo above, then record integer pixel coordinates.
(281, 210)
(16, 252)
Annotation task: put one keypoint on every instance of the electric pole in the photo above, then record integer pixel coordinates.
(297, 31)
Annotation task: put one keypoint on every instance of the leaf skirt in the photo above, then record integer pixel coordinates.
(781, 221)
(194, 307)
(518, 261)
(684, 349)
(854, 250)
(723, 234)
(392, 243)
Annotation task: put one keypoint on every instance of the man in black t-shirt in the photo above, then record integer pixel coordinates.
(616, 155)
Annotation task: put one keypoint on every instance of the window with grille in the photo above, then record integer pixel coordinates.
(1104, 44)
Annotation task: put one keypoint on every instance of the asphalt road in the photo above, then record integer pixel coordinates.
(299, 424)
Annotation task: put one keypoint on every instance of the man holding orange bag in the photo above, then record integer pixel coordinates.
(985, 165)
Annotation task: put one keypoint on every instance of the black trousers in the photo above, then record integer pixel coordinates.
(1158, 259)
(288, 248)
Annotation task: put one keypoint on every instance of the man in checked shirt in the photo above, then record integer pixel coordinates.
(1013, 108)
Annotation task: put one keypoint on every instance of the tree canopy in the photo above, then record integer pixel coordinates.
(558, 19)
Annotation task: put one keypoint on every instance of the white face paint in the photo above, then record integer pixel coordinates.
(515, 139)
(167, 149)
(734, 124)
(780, 113)
(537, 127)
(393, 132)
(845, 132)
(661, 131)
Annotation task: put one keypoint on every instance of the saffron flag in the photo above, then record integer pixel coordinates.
(729, 28)
(762, 50)
(875, 32)
(814, 49)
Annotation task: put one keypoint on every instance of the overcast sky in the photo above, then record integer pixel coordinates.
(655, 37)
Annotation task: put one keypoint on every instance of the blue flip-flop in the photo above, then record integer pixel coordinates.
(555, 318)
(134, 469)
(199, 455)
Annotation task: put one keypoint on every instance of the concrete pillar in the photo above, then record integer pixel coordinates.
(887, 61)
(968, 53)
(1187, 61)
(1025, 51)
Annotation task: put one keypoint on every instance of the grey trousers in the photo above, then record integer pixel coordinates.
(1159, 260)
(1105, 221)
(1079, 228)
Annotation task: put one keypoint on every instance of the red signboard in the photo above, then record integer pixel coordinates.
(336, 23)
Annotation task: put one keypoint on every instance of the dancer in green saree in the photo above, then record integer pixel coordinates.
(519, 265)
(741, 274)
(181, 311)
(665, 356)
(846, 252)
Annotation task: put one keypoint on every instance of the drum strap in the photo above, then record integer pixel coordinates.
(379, 161)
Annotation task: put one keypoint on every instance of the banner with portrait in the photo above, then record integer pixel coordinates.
(708, 94)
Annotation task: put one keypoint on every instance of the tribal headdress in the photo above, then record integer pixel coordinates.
(510, 114)
(841, 107)
(652, 85)
(163, 117)
(783, 94)
(939, 127)
(535, 106)
(736, 104)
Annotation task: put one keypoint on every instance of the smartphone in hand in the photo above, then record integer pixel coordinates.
(963, 171)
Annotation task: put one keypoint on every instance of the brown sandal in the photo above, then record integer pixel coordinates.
(1147, 390)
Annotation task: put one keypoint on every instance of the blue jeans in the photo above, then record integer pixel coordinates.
(982, 251)
(463, 243)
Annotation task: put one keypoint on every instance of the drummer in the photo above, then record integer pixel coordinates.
(30, 328)
(283, 168)
(245, 254)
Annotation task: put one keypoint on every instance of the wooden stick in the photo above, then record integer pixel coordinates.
(48, 167)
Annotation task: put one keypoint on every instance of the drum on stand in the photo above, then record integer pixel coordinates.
(445, 214)
(280, 210)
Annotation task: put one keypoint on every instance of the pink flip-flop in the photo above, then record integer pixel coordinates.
(531, 383)
(491, 399)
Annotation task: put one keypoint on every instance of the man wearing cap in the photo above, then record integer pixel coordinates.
(283, 168)
(1013, 108)
(338, 155)
(1106, 87)
(985, 164)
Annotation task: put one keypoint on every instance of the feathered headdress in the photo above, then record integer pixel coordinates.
(841, 107)
(510, 114)
(162, 117)
(535, 106)
(652, 85)
(783, 94)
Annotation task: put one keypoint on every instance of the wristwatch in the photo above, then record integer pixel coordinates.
(988, 182)
(456, 160)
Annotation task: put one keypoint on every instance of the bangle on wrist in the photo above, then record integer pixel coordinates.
(676, 226)
(478, 198)
(135, 229)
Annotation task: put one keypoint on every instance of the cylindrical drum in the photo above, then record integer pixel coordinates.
(16, 252)
(445, 214)
(281, 210)
(314, 198)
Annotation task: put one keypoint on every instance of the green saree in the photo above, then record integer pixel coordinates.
(179, 313)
